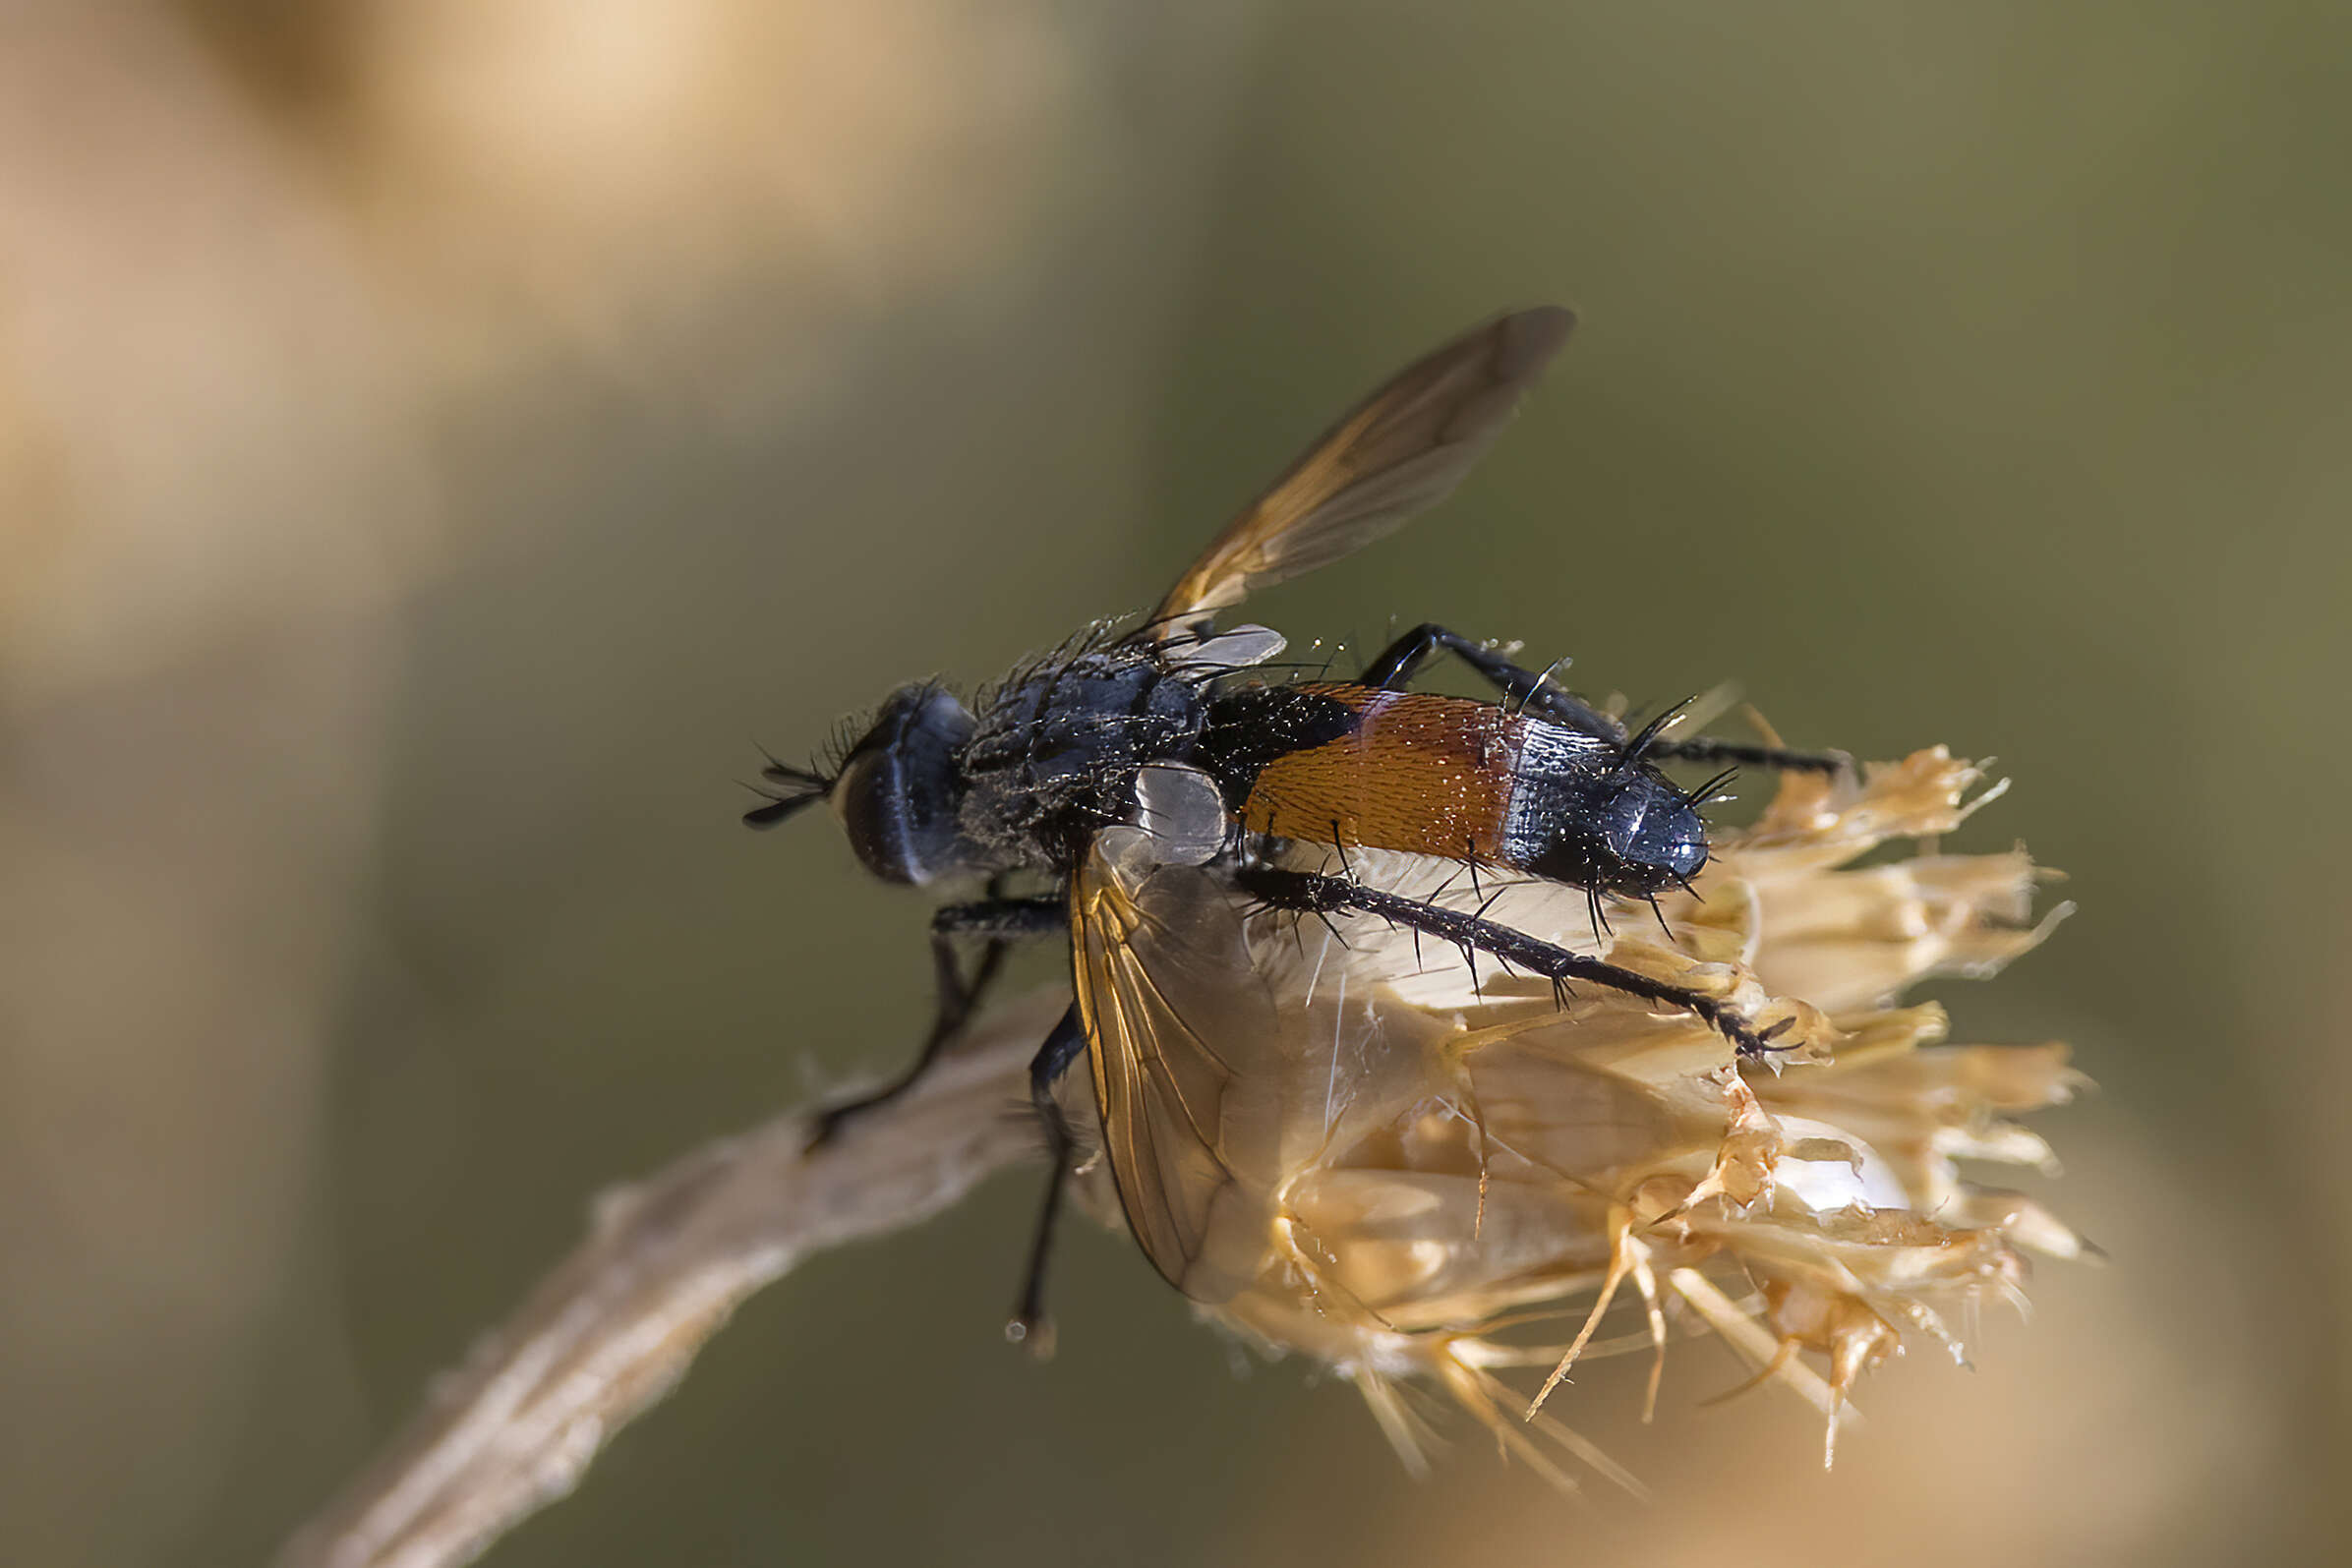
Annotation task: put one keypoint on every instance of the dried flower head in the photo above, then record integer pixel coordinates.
(1466, 1155)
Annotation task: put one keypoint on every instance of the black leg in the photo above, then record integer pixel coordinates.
(1000, 922)
(1537, 695)
(1321, 894)
(1530, 688)
(1030, 1325)
(1700, 748)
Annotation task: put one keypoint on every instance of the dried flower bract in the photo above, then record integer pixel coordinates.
(1457, 1158)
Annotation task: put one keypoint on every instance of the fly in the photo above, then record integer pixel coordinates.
(1164, 751)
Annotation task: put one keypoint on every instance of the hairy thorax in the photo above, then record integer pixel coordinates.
(1055, 756)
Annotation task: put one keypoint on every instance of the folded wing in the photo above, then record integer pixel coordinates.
(1181, 1034)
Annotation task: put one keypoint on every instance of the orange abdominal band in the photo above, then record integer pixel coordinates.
(1422, 773)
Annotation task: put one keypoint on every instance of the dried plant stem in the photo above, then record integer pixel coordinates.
(665, 1262)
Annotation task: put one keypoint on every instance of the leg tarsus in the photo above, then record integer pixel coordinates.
(1030, 1326)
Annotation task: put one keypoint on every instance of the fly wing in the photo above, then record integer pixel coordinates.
(1401, 450)
(1184, 1043)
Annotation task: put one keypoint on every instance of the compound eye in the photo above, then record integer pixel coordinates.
(899, 788)
(870, 799)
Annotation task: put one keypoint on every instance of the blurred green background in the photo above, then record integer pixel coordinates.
(439, 438)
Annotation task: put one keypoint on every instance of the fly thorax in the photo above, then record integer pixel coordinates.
(1057, 750)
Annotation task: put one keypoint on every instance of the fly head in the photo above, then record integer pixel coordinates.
(896, 790)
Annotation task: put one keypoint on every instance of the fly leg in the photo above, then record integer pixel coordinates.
(1533, 691)
(999, 923)
(1780, 759)
(1312, 892)
(1030, 1325)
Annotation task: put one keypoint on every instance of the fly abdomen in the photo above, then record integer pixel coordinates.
(1405, 770)
(1584, 813)
(1350, 764)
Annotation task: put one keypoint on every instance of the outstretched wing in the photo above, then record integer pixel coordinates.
(1401, 449)
(1184, 1039)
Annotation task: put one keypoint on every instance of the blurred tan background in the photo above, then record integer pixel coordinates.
(439, 438)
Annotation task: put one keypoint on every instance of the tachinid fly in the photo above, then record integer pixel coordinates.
(1162, 751)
